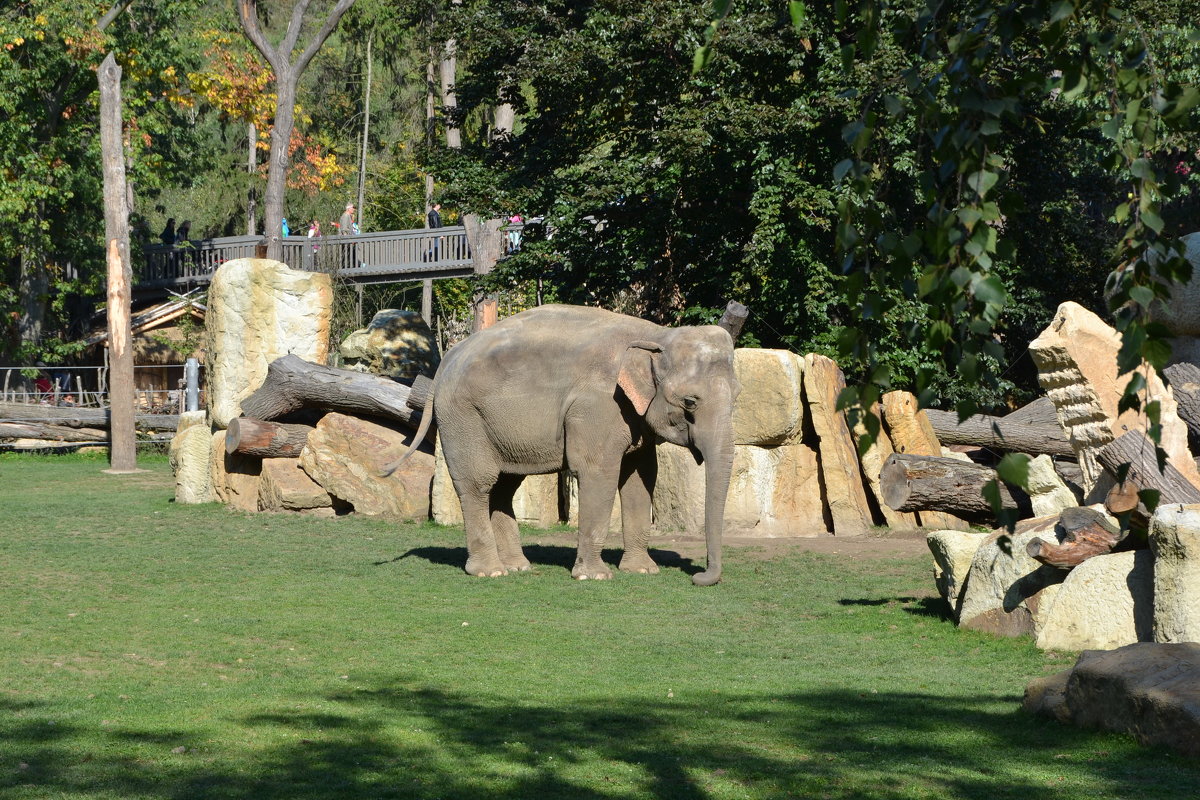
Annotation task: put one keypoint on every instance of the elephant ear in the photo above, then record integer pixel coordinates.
(636, 378)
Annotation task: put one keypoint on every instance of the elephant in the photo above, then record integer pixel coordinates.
(591, 391)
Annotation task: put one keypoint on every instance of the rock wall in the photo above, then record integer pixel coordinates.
(259, 310)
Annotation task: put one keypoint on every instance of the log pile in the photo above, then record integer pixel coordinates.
(38, 425)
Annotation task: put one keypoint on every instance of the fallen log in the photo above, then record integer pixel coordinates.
(78, 417)
(1000, 433)
(1185, 385)
(1037, 412)
(1085, 533)
(50, 432)
(256, 437)
(924, 483)
(292, 384)
(1134, 452)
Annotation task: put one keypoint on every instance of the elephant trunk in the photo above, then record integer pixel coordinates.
(717, 449)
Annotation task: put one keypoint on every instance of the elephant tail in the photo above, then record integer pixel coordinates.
(422, 430)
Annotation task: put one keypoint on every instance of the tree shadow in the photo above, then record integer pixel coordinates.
(394, 738)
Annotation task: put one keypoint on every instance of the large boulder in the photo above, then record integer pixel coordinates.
(1048, 492)
(190, 456)
(536, 502)
(953, 552)
(845, 494)
(345, 455)
(259, 310)
(235, 477)
(1150, 691)
(1105, 602)
(769, 411)
(1007, 592)
(1076, 356)
(1175, 542)
(773, 492)
(395, 343)
(285, 486)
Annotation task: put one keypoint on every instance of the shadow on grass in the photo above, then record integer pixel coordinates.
(546, 555)
(935, 607)
(395, 740)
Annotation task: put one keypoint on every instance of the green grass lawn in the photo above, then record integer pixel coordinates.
(152, 650)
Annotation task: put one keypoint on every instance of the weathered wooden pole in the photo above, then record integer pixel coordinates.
(122, 430)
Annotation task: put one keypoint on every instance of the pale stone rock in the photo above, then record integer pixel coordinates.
(1007, 592)
(189, 419)
(773, 492)
(844, 493)
(190, 456)
(872, 464)
(536, 502)
(345, 455)
(769, 411)
(1048, 492)
(1076, 357)
(285, 486)
(1148, 690)
(258, 311)
(1105, 602)
(911, 432)
(235, 477)
(953, 552)
(1175, 542)
(398, 344)
(957, 456)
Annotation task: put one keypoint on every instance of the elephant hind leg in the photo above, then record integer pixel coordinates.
(639, 472)
(504, 523)
(483, 558)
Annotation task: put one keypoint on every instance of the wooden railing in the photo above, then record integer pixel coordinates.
(367, 257)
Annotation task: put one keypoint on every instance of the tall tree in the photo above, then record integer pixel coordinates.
(288, 67)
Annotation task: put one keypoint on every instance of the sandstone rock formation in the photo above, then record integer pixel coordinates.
(1175, 542)
(840, 471)
(910, 432)
(1150, 691)
(1076, 357)
(234, 478)
(190, 455)
(259, 310)
(1007, 592)
(953, 552)
(770, 410)
(1105, 602)
(395, 343)
(345, 454)
(1048, 492)
(285, 486)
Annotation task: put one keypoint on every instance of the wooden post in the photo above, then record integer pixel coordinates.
(122, 431)
(734, 318)
(427, 301)
(486, 239)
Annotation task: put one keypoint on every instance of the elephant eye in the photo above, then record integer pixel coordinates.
(690, 402)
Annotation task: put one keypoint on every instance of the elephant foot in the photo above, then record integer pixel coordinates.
(485, 569)
(517, 564)
(641, 563)
(582, 572)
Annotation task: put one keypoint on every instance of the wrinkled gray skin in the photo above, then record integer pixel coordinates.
(588, 390)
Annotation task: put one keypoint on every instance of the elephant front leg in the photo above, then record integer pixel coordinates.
(639, 471)
(596, 496)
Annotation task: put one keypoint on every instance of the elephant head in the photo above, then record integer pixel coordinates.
(684, 387)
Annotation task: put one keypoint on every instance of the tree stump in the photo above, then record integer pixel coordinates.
(932, 483)
(256, 437)
(1085, 533)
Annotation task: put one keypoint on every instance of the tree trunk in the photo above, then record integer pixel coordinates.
(59, 433)
(122, 430)
(80, 417)
(1185, 385)
(1000, 433)
(923, 483)
(1038, 412)
(251, 168)
(1085, 533)
(287, 76)
(256, 437)
(1137, 451)
(293, 383)
(366, 130)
